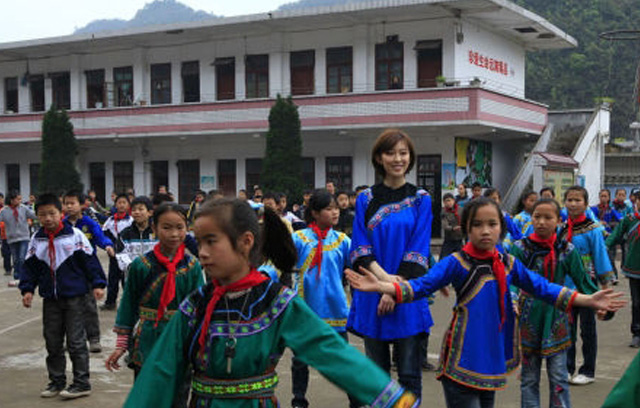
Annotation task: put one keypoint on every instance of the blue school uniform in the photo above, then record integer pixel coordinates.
(609, 217)
(588, 240)
(513, 233)
(323, 292)
(92, 231)
(475, 351)
(564, 214)
(392, 227)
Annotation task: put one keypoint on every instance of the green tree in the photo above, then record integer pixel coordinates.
(59, 150)
(281, 171)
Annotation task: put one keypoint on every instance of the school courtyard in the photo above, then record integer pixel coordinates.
(23, 374)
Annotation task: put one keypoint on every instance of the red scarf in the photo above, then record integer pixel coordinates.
(550, 259)
(637, 215)
(52, 249)
(498, 271)
(118, 217)
(254, 278)
(169, 288)
(454, 210)
(16, 215)
(602, 210)
(619, 203)
(317, 257)
(573, 221)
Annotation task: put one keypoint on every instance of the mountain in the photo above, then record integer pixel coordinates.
(157, 12)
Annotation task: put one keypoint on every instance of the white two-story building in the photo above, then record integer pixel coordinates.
(186, 105)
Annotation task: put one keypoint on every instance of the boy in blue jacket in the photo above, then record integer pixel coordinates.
(60, 262)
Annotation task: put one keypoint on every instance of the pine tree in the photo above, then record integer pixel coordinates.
(58, 173)
(281, 171)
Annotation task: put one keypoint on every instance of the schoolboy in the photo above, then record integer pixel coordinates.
(345, 222)
(451, 213)
(4, 245)
(60, 262)
(138, 238)
(476, 190)
(112, 229)
(73, 210)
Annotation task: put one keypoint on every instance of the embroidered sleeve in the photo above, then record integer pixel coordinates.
(404, 292)
(413, 265)
(565, 299)
(394, 396)
(415, 260)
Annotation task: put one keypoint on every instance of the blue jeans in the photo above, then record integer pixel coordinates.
(409, 361)
(459, 396)
(558, 382)
(18, 253)
(589, 338)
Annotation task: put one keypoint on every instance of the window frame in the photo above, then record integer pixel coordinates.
(339, 66)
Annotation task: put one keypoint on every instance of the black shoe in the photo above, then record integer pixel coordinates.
(52, 391)
(635, 342)
(108, 306)
(426, 366)
(75, 392)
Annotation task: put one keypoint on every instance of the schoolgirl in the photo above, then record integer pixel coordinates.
(544, 330)
(392, 234)
(112, 228)
(231, 333)
(587, 237)
(523, 218)
(323, 255)
(513, 233)
(156, 284)
(481, 345)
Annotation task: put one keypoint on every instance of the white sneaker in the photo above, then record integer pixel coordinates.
(581, 379)
(13, 283)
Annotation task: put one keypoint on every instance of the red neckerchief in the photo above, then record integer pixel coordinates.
(169, 288)
(573, 221)
(602, 210)
(637, 215)
(254, 278)
(118, 217)
(619, 204)
(498, 271)
(317, 257)
(16, 215)
(52, 249)
(550, 259)
(454, 210)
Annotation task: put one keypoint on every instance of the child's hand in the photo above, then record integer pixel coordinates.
(444, 292)
(112, 362)
(27, 298)
(98, 293)
(606, 300)
(386, 305)
(110, 251)
(367, 282)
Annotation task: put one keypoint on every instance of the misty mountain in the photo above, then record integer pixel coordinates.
(157, 12)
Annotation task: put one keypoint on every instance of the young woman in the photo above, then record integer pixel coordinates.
(231, 333)
(323, 255)
(525, 206)
(545, 332)
(156, 284)
(391, 234)
(587, 237)
(481, 345)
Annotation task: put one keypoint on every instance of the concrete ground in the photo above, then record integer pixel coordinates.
(23, 373)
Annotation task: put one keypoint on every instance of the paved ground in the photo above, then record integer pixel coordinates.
(23, 373)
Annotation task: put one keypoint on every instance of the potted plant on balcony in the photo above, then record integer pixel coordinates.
(440, 81)
(475, 82)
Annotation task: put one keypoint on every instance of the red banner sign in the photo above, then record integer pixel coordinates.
(491, 64)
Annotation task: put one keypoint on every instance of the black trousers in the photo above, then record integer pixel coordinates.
(634, 288)
(64, 318)
(91, 319)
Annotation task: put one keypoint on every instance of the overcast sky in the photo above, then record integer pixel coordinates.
(29, 19)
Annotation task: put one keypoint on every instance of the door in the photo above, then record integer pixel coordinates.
(429, 62)
(227, 177)
(430, 179)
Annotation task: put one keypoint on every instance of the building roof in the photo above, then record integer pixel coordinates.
(500, 16)
(558, 160)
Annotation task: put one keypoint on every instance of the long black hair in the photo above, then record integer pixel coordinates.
(166, 208)
(271, 242)
(319, 200)
(523, 197)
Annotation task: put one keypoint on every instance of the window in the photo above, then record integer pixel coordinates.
(389, 65)
(36, 88)
(429, 62)
(34, 177)
(191, 81)
(160, 83)
(123, 86)
(61, 90)
(340, 70)
(302, 72)
(257, 76)
(188, 180)
(339, 171)
(308, 172)
(225, 78)
(97, 180)
(13, 176)
(122, 176)
(227, 177)
(11, 95)
(95, 88)
(253, 171)
(159, 174)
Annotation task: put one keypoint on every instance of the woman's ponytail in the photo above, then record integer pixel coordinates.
(277, 244)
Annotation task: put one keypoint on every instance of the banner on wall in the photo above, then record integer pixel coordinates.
(207, 183)
(448, 176)
(473, 162)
